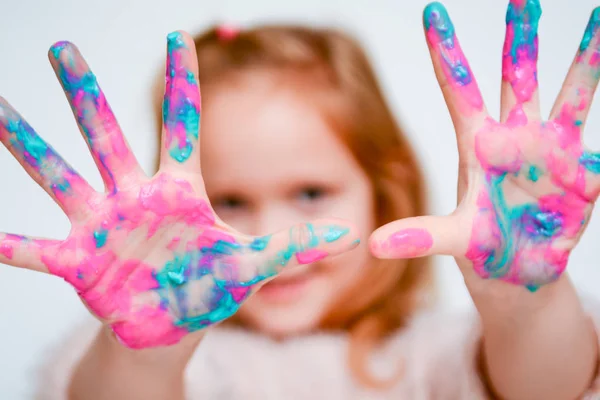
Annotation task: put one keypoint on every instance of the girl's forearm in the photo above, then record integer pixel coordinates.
(536, 345)
(108, 370)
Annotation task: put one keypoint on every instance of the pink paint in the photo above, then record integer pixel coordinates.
(310, 256)
(6, 250)
(522, 74)
(148, 327)
(406, 243)
(520, 51)
(595, 60)
(240, 293)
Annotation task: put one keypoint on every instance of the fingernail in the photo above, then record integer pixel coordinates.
(58, 47)
(524, 11)
(436, 17)
(175, 40)
(590, 30)
(406, 243)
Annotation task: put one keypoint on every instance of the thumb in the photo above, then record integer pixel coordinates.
(418, 237)
(301, 244)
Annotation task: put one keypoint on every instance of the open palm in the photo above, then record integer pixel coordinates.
(526, 186)
(148, 256)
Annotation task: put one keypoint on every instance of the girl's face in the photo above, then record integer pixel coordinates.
(270, 161)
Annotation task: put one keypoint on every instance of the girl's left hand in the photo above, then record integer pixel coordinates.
(526, 187)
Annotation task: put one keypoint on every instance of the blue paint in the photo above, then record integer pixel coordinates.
(356, 242)
(191, 78)
(201, 264)
(37, 153)
(578, 122)
(534, 173)
(496, 263)
(436, 16)
(221, 247)
(175, 40)
(175, 272)
(313, 240)
(100, 237)
(536, 223)
(57, 48)
(525, 21)
(187, 114)
(532, 287)
(259, 244)
(590, 31)
(334, 233)
(591, 161)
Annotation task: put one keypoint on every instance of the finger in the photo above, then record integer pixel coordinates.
(69, 190)
(302, 244)
(181, 105)
(417, 237)
(451, 67)
(23, 252)
(575, 98)
(96, 120)
(519, 60)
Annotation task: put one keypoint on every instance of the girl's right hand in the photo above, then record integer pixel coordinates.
(148, 257)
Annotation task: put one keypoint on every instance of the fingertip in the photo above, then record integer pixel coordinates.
(57, 48)
(405, 242)
(527, 11)
(435, 15)
(179, 39)
(591, 30)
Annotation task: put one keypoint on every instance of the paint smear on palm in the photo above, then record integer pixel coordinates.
(442, 38)
(516, 242)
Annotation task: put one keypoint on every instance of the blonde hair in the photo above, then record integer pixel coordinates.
(391, 290)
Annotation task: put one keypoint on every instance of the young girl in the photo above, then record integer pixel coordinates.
(295, 128)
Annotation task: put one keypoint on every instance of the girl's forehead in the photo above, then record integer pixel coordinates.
(249, 132)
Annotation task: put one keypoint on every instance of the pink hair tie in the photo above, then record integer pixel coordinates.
(227, 32)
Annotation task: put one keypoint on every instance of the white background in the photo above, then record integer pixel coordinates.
(124, 41)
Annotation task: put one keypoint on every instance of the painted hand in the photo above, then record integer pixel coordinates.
(149, 256)
(526, 186)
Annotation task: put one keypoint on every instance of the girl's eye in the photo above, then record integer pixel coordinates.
(229, 203)
(311, 194)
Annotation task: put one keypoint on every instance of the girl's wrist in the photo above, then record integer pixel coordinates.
(500, 301)
(173, 357)
(109, 370)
